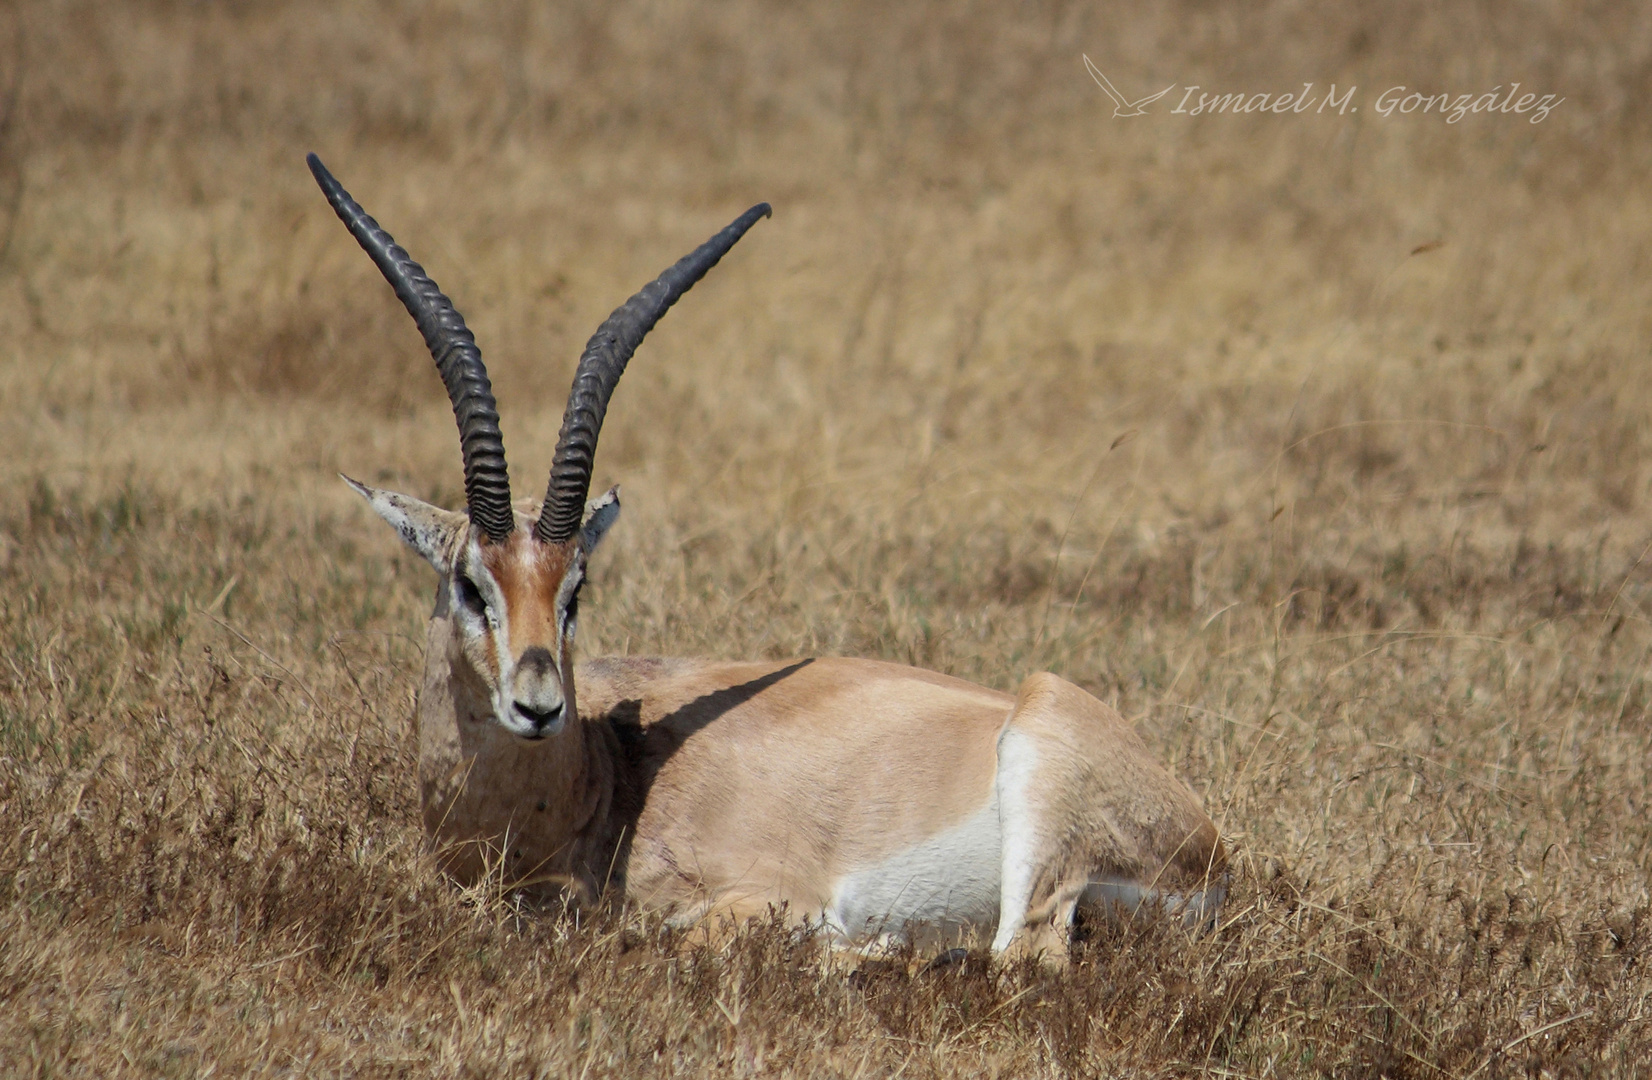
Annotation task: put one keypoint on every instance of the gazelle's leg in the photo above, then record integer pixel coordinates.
(1083, 802)
(1197, 909)
(1035, 903)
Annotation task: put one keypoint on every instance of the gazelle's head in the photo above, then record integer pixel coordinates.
(510, 586)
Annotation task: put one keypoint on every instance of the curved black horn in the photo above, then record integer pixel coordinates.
(451, 345)
(600, 367)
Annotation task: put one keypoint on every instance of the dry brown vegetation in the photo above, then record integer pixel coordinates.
(1316, 444)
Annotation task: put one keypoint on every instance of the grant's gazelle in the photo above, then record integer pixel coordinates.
(867, 797)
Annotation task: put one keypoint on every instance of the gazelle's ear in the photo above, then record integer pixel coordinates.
(599, 515)
(429, 530)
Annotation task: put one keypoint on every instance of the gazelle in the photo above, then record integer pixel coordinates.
(869, 798)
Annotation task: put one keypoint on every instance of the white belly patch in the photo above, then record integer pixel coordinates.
(949, 881)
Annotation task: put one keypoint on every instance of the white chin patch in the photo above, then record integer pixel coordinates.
(525, 730)
(521, 728)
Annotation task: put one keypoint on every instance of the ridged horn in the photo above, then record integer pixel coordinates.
(453, 347)
(600, 367)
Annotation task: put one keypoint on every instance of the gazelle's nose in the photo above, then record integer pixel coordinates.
(538, 691)
(544, 721)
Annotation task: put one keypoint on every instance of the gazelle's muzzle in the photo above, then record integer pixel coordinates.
(536, 698)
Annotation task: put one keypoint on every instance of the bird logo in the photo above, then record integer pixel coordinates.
(1122, 107)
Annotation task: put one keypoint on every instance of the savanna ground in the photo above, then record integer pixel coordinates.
(1316, 443)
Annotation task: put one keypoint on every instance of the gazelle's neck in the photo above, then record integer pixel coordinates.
(474, 776)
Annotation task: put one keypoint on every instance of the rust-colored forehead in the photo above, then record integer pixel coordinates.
(529, 573)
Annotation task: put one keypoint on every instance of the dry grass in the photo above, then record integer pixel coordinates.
(1358, 537)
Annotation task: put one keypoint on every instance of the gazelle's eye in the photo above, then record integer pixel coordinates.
(570, 613)
(470, 596)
